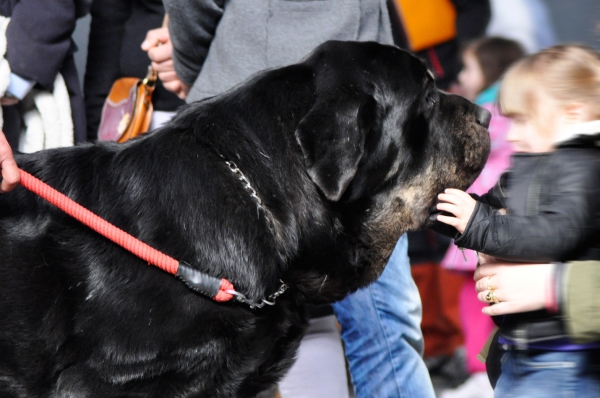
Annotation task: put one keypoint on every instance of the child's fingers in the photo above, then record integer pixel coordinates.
(448, 220)
(443, 197)
(452, 198)
(449, 207)
(455, 196)
(457, 192)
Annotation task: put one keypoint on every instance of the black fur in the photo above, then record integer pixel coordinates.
(346, 150)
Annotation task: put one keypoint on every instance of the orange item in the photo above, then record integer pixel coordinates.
(427, 22)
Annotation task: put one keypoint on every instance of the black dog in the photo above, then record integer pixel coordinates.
(340, 155)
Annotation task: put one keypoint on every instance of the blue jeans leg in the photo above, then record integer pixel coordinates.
(382, 334)
(542, 374)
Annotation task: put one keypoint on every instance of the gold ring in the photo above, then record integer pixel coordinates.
(489, 285)
(491, 297)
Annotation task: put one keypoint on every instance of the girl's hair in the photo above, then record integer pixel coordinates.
(567, 73)
(494, 55)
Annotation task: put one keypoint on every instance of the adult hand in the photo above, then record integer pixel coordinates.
(160, 51)
(8, 166)
(518, 287)
(459, 203)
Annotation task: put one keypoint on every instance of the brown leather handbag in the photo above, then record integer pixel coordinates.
(127, 110)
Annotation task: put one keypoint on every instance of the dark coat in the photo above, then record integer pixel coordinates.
(117, 31)
(553, 215)
(554, 211)
(40, 46)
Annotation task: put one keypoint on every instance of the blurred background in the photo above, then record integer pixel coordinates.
(575, 21)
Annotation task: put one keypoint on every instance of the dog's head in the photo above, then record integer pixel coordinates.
(381, 141)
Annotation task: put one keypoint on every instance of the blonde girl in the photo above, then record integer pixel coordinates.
(551, 197)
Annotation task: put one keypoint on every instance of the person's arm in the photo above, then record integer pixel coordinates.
(579, 293)
(39, 38)
(574, 291)
(192, 26)
(563, 225)
(10, 176)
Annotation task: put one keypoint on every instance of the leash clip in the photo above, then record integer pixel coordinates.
(240, 297)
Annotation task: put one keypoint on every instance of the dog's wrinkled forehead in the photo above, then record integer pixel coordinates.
(364, 93)
(368, 65)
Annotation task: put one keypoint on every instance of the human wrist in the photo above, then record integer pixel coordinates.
(554, 290)
(18, 86)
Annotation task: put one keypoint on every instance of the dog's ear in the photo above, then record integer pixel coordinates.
(332, 138)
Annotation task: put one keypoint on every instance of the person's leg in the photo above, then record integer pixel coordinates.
(320, 369)
(540, 374)
(12, 125)
(382, 335)
(476, 328)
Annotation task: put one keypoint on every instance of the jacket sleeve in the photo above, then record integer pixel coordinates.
(192, 26)
(39, 38)
(568, 220)
(581, 301)
(494, 198)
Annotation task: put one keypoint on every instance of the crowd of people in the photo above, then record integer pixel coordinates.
(519, 282)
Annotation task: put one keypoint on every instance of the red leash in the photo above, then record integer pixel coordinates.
(219, 290)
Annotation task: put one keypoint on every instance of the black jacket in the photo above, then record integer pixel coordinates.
(117, 31)
(553, 204)
(39, 46)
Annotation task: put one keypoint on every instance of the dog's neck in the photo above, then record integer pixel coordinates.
(260, 207)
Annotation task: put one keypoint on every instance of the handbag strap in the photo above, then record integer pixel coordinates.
(150, 79)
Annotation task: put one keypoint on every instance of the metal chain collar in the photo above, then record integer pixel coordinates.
(240, 297)
(235, 170)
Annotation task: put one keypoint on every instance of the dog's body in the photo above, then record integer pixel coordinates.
(345, 151)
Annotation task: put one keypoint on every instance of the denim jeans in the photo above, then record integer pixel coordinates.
(382, 334)
(537, 374)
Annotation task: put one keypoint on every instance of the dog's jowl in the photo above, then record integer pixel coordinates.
(339, 154)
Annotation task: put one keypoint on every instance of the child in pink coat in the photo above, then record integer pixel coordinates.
(484, 63)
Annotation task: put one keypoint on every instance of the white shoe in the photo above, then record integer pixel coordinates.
(476, 386)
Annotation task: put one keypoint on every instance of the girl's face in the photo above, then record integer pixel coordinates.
(528, 136)
(470, 78)
(537, 132)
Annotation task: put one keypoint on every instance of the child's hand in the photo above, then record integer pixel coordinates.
(459, 203)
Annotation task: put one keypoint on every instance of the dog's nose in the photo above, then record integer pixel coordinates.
(483, 117)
